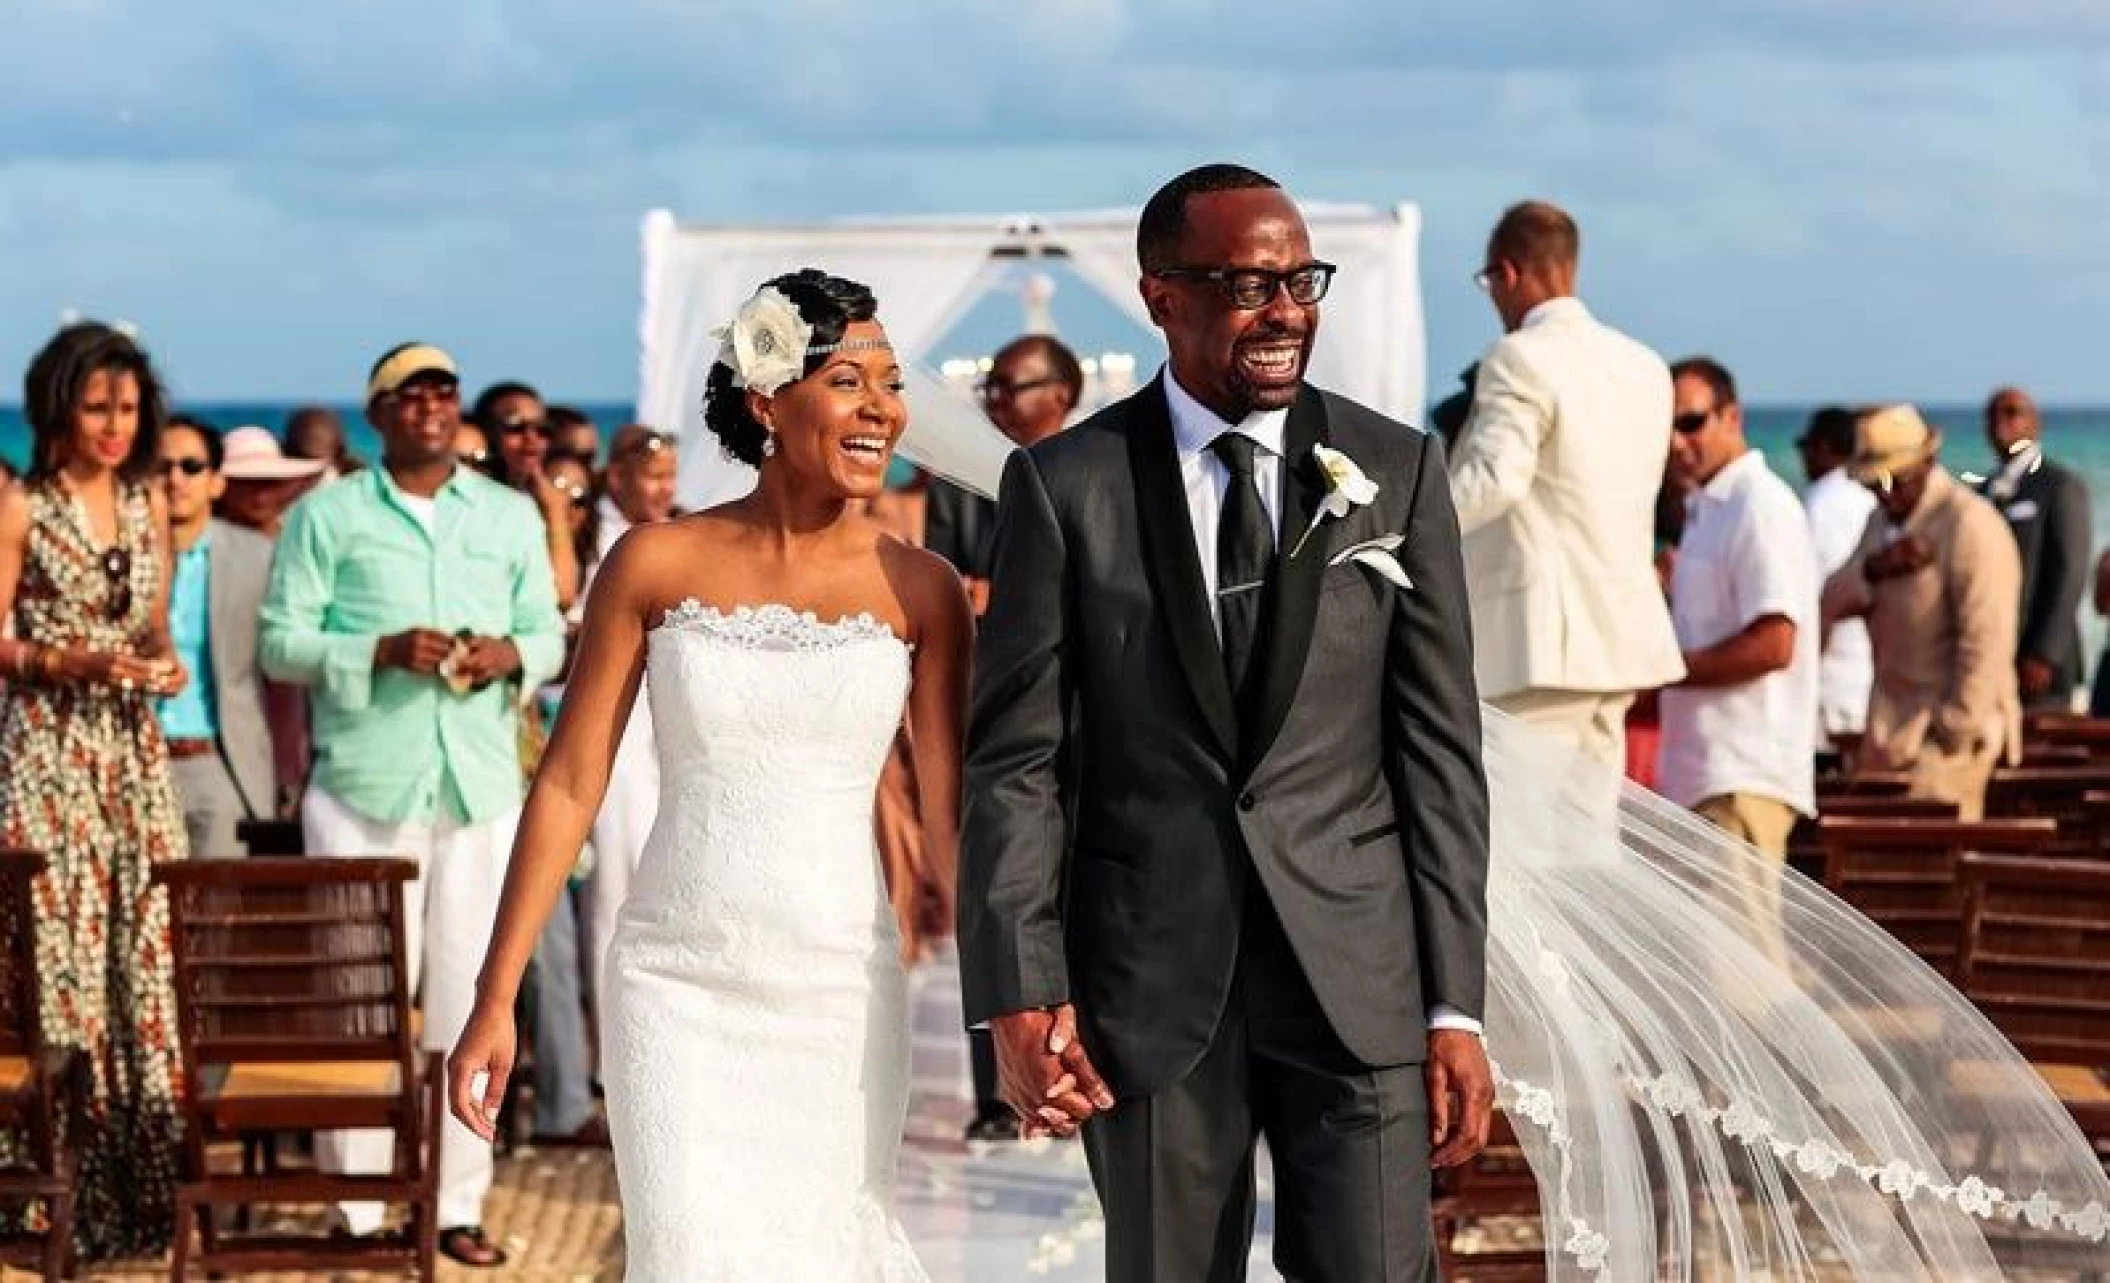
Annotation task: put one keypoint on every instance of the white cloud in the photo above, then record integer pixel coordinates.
(1799, 185)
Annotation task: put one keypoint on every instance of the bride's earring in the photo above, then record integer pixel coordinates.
(769, 445)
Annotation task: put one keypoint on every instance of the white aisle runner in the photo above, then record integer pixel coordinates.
(997, 1213)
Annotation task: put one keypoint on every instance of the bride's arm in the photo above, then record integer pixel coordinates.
(944, 626)
(561, 805)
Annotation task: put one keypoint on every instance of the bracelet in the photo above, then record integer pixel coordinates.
(51, 664)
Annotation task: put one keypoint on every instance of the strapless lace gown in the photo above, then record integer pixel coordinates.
(754, 1029)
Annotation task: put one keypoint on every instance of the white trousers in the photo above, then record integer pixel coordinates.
(620, 830)
(449, 909)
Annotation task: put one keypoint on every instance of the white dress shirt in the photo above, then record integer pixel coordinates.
(1194, 427)
(1839, 508)
(1745, 555)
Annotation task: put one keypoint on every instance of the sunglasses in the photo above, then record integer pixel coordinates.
(1251, 288)
(1690, 422)
(188, 467)
(117, 564)
(515, 427)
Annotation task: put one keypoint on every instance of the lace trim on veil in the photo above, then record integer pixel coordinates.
(1681, 1098)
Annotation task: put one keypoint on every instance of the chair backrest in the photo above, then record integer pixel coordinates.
(290, 959)
(1806, 853)
(2036, 954)
(2051, 792)
(21, 1021)
(2066, 730)
(1901, 873)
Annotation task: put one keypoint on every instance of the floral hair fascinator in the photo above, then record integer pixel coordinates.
(768, 341)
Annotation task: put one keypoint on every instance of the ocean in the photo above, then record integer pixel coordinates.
(2077, 437)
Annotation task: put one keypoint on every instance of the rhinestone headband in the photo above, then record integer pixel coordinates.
(850, 345)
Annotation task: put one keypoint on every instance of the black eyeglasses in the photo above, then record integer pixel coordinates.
(1001, 390)
(1691, 421)
(188, 467)
(1251, 288)
(514, 427)
(117, 564)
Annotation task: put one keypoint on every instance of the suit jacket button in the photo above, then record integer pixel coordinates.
(1246, 801)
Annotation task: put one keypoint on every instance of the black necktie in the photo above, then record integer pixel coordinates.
(1245, 547)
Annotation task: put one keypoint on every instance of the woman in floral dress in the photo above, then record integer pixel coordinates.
(84, 774)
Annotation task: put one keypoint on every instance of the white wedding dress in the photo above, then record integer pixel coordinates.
(754, 1026)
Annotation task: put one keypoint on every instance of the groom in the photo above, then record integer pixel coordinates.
(1223, 869)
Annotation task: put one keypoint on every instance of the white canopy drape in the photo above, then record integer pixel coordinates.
(926, 272)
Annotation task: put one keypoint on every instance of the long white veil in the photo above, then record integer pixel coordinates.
(1699, 1097)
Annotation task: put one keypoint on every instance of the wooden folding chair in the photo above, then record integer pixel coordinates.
(2053, 793)
(1806, 853)
(1901, 874)
(41, 1087)
(2036, 961)
(294, 999)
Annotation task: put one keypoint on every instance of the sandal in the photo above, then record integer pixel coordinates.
(467, 1244)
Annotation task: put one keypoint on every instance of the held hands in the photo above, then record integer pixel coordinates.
(486, 1051)
(1461, 1096)
(1044, 1074)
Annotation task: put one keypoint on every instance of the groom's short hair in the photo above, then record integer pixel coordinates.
(1164, 219)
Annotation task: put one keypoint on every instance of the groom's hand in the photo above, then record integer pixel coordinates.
(1461, 1096)
(1043, 1072)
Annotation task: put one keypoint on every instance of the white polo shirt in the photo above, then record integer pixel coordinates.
(1745, 554)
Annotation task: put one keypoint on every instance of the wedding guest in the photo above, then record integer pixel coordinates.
(415, 601)
(84, 772)
(2046, 506)
(1739, 730)
(8, 475)
(1034, 385)
(262, 481)
(572, 431)
(1555, 477)
(219, 738)
(1838, 510)
(315, 432)
(1939, 580)
(639, 485)
(473, 448)
(517, 429)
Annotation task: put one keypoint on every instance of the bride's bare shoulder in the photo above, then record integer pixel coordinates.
(930, 591)
(653, 567)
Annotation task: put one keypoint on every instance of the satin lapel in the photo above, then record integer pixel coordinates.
(1170, 558)
(1293, 606)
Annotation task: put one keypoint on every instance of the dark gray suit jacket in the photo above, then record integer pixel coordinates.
(1353, 788)
(2049, 515)
(240, 562)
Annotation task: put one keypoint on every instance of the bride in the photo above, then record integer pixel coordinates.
(1692, 1107)
(754, 1022)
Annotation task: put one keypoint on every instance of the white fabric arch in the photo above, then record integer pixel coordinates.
(927, 271)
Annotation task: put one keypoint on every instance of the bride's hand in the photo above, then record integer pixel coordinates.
(486, 1049)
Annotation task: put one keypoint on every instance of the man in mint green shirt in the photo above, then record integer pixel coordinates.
(416, 602)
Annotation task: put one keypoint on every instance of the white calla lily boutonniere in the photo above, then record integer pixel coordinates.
(1381, 555)
(1346, 490)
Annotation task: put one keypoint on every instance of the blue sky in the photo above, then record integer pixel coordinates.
(1840, 198)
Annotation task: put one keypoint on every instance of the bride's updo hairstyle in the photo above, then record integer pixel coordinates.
(830, 305)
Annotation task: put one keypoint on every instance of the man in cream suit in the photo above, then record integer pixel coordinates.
(1555, 476)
